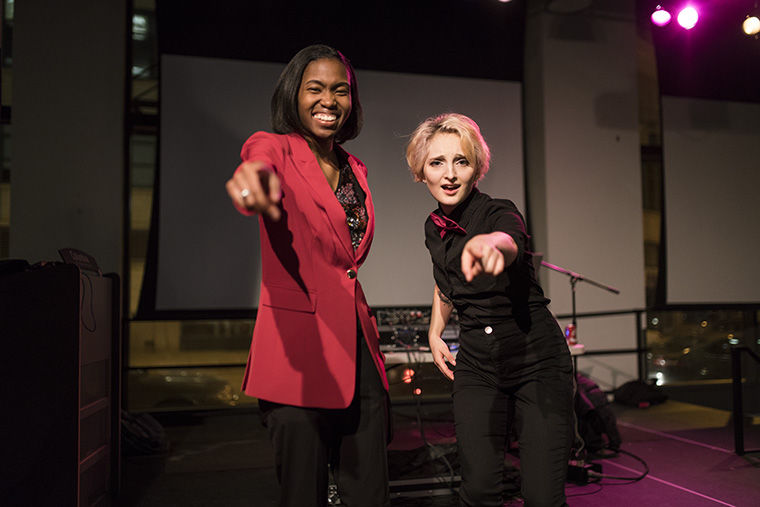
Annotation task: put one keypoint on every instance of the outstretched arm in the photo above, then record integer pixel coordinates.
(255, 188)
(488, 253)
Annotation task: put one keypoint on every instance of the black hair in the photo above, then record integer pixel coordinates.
(285, 117)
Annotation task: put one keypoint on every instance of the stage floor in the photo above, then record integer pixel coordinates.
(224, 459)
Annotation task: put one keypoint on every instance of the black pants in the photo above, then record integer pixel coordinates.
(542, 407)
(352, 440)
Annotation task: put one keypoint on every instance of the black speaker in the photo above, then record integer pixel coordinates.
(59, 379)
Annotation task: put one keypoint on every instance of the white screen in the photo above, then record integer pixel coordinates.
(712, 181)
(208, 253)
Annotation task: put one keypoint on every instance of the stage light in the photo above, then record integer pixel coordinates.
(408, 376)
(418, 391)
(751, 25)
(660, 16)
(688, 17)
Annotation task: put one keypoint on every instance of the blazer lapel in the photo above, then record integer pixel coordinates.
(308, 167)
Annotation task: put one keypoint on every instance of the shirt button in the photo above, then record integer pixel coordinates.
(488, 330)
(351, 273)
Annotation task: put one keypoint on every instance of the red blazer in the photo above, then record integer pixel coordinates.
(303, 350)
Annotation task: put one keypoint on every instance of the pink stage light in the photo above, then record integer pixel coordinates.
(660, 16)
(688, 17)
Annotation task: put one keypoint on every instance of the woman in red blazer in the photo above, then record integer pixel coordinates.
(315, 363)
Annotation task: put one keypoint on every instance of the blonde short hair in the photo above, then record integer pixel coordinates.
(475, 148)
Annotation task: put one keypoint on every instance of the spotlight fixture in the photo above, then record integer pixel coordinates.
(660, 16)
(688, 17)
(751, 25)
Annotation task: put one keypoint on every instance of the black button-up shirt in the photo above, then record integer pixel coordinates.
(486, 300)
(506, 328)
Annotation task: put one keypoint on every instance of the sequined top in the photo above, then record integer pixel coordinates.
(351, 196)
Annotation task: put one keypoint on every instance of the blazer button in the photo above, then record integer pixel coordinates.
(351, 273)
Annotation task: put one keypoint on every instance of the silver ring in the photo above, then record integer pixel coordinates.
(245, 193)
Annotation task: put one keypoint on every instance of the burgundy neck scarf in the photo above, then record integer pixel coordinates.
(445, 224)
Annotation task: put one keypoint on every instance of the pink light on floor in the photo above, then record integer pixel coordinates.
(660, 16)
(688, 17)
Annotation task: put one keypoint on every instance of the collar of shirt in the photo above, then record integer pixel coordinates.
(464, 211)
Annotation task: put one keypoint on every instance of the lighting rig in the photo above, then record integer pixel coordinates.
(687, 17)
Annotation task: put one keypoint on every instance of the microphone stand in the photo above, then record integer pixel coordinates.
(575, 278)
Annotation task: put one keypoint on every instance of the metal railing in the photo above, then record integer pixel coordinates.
(639, 332)
(738, 402)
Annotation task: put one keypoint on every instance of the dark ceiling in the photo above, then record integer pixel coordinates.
(469, 38)
(472, 38)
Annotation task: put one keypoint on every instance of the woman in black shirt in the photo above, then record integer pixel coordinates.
(513, 358)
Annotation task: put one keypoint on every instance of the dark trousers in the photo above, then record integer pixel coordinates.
(351, 440)
(542, 408)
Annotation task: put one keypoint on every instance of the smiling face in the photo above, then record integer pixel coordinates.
(324, 100)
(448, 173)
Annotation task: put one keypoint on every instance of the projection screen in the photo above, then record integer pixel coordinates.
(208, 254)
(712, 219)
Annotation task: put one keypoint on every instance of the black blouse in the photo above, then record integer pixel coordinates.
(486, 300)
